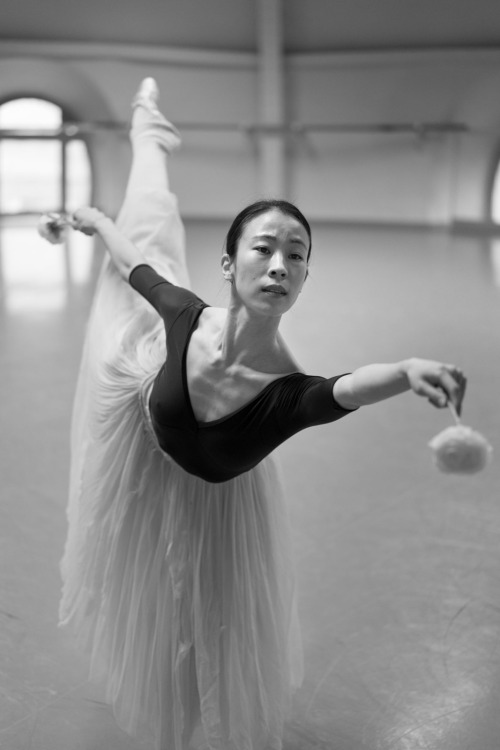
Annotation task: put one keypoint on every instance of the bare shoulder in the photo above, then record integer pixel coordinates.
(213, 317)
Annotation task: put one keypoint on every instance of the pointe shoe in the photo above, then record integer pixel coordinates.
(147, 95)
(148, 121)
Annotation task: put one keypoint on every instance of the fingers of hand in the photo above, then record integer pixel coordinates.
(79, 214)
(427, 384)
(441, 384)
(448, 385)
(437, 396)
(77, 220)
(84, 220)
(454, 382)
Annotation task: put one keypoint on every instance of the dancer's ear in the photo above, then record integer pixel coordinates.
(227, 266)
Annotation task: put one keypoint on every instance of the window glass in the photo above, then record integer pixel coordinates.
(35, 275)
(30, 175)
(79, 182)
(20, 114)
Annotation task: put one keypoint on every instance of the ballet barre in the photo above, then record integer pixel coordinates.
(73, 128)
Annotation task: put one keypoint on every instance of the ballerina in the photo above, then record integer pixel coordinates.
(178, 573)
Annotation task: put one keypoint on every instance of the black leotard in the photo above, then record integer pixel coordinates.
(223, 448)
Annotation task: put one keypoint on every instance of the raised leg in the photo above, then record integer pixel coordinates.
(149, 215)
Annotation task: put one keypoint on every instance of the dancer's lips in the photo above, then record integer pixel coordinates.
(275, 289)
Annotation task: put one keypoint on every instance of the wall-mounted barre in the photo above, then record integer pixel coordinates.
(72, 129)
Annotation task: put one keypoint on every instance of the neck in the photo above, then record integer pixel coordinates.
(247, 338)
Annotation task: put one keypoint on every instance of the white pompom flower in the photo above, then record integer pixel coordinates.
(52, 227)
(460, 450)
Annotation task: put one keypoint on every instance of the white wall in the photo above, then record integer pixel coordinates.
(430, 179)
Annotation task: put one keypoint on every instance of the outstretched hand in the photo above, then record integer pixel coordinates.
(437, 382)
(85, 220)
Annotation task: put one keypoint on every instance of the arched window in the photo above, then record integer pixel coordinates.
(43, 167)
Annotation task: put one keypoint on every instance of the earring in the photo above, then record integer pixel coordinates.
(228, 276)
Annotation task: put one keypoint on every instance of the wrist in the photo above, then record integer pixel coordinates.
(405, 367)
(102, 223)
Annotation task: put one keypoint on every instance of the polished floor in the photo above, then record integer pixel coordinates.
(398, 565)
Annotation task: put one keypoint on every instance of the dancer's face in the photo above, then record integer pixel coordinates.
(270, 265)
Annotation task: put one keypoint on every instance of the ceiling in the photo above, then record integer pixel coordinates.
(309, 25)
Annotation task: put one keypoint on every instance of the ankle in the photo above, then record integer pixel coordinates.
(160, 135)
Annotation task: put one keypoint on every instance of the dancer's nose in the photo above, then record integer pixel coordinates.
(277, 267)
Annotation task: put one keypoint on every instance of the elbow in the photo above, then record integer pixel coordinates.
(124, 270)
(343, 393)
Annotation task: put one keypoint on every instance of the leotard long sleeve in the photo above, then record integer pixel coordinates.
(223, 448)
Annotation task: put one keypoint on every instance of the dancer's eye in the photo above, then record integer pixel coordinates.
(262, 249)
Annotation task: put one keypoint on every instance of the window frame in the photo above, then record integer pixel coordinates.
(64, 134)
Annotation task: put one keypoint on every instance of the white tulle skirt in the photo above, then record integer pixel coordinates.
(181, 590)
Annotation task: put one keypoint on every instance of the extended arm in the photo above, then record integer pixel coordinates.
(434, 380)
(124, 254)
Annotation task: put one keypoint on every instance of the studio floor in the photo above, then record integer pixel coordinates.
(398, 565)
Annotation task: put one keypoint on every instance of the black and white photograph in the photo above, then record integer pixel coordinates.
(250, 374)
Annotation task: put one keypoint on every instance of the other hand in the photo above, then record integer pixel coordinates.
(86, 219)
(438, 382)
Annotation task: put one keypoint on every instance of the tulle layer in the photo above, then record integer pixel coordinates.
(181, 590)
